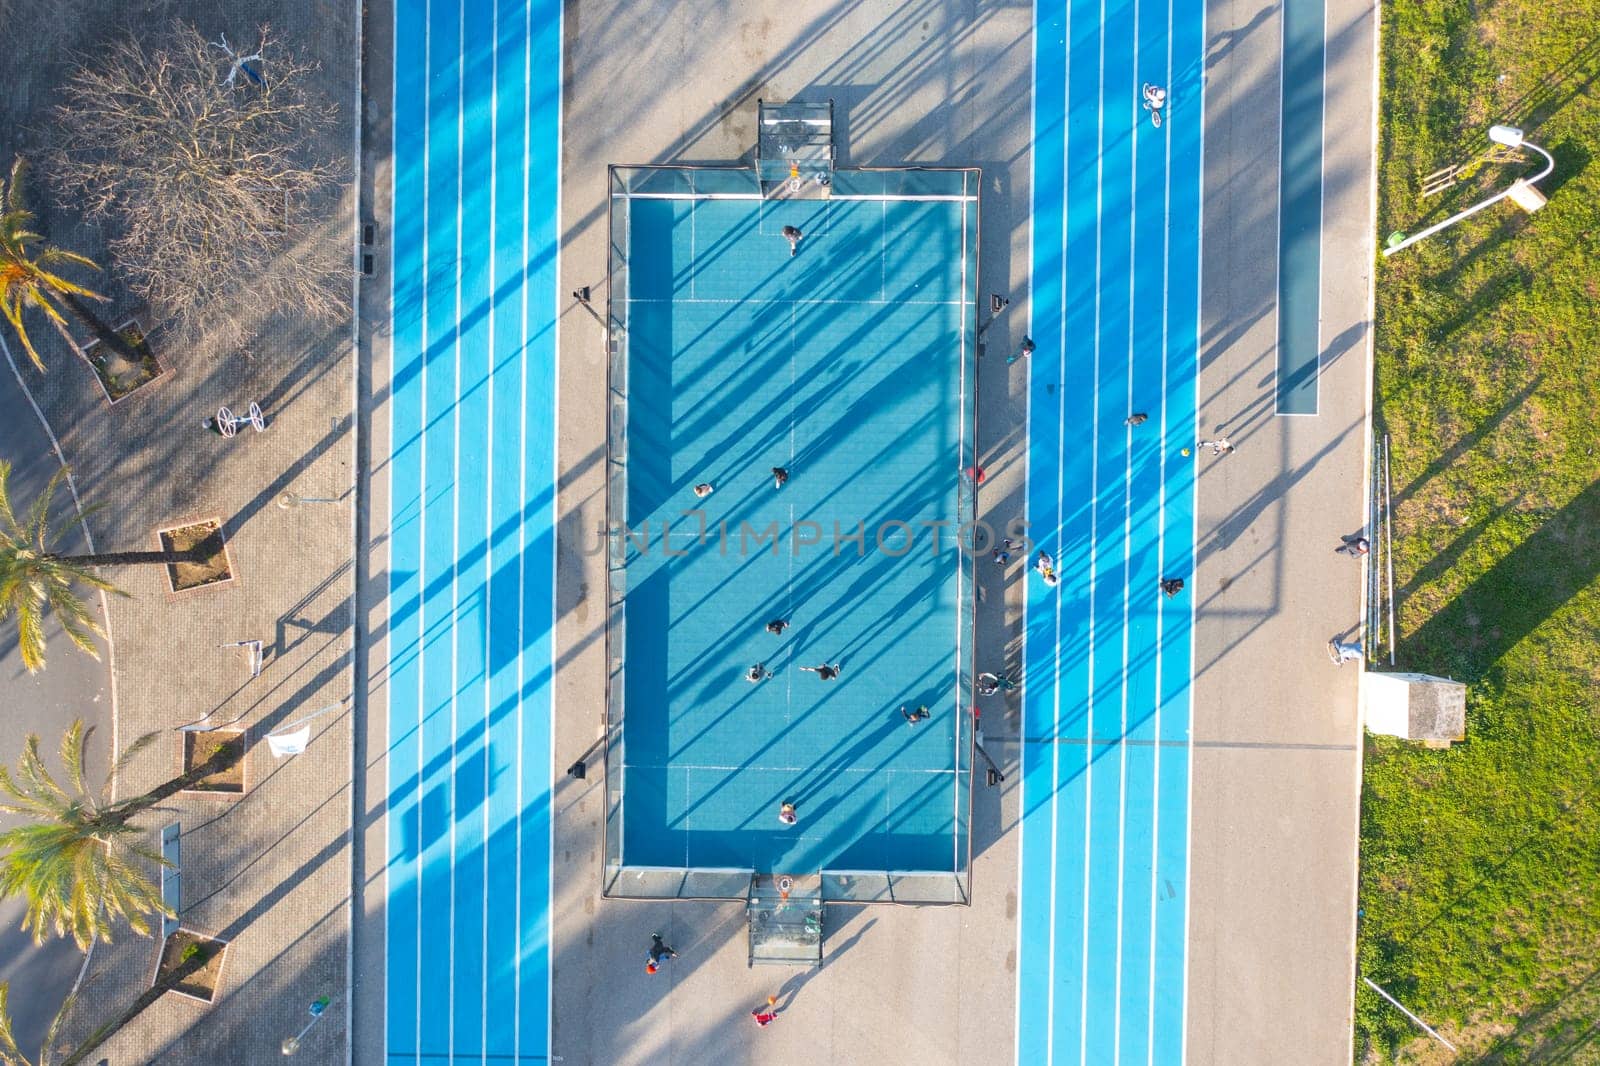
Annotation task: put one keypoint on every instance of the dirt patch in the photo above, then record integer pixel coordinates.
(191, 965)
(201, 748)
(118, 373)
(213, 569)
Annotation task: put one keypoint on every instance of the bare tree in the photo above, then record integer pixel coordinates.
(212, 183)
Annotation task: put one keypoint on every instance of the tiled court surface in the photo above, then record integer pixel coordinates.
(849, 366)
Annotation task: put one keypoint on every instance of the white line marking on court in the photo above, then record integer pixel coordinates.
(488, 507)
(455, 509)
(522, 521)
(388, 592)
(555, 559)
(961, 450)
(883, 252)
(1055, 685)
(1322, 205)
(1027, 487)
(422, 502)
(1094, 528)
(1161, 561)
(856, 197)
(714, 301)
(1127, 544)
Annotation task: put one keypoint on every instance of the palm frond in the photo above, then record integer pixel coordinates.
(10, 1054)
(13, 198)
(7, 515)
(120, 763)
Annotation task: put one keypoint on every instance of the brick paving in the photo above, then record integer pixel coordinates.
(270, 871)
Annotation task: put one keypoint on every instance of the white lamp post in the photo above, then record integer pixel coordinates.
(1522, 193)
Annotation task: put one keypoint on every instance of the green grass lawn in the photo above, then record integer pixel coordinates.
(1480, 866)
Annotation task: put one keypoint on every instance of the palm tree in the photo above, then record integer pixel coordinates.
(26, 275)
(33, 578)
(76, 860)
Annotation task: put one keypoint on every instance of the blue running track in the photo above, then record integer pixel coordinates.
(1105, 758)
(472, 549)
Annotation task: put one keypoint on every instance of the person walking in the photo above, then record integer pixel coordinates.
(1342, 652)
(1354, 545)
(779, 476)
(1171, 586)
(1001, 555)
(758, 672)
(1219, 447)
(913, 717)
(777, 626)
(1025, 349)
(658, 952)
(792, 234)
(989, 684)
(826, 672)
(1138, 418)
(787, 815)
(765, 1018)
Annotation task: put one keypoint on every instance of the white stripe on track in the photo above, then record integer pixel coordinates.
(488, 503)
(1094, 531)
(1161, 542)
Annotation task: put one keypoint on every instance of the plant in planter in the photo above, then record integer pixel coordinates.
(125, 367)
(37, 579)
(191, 965)
(222, 749)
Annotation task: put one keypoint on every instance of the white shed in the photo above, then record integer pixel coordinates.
(1415, 707)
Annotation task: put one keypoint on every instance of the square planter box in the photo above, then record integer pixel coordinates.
(217, 570)
(190, 964)
(199, 747)
(118, 376)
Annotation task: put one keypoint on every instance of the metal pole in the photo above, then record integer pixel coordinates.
(291, 1044)
(1425, 1026)
(1550, 165)
(1388, 535)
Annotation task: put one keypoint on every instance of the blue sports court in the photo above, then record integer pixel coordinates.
(848, 365)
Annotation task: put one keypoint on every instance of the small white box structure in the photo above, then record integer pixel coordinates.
(1415, 707)
(1526, 196)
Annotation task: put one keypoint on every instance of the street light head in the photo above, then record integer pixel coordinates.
(1509, 136)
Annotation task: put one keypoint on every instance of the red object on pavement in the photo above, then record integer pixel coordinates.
(763, 1018)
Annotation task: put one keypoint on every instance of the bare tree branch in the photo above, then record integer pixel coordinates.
(213, 192)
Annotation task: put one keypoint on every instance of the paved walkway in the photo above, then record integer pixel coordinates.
(267, 872)
(1277, 739)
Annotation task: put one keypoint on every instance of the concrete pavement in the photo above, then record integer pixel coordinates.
(1277, 736)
